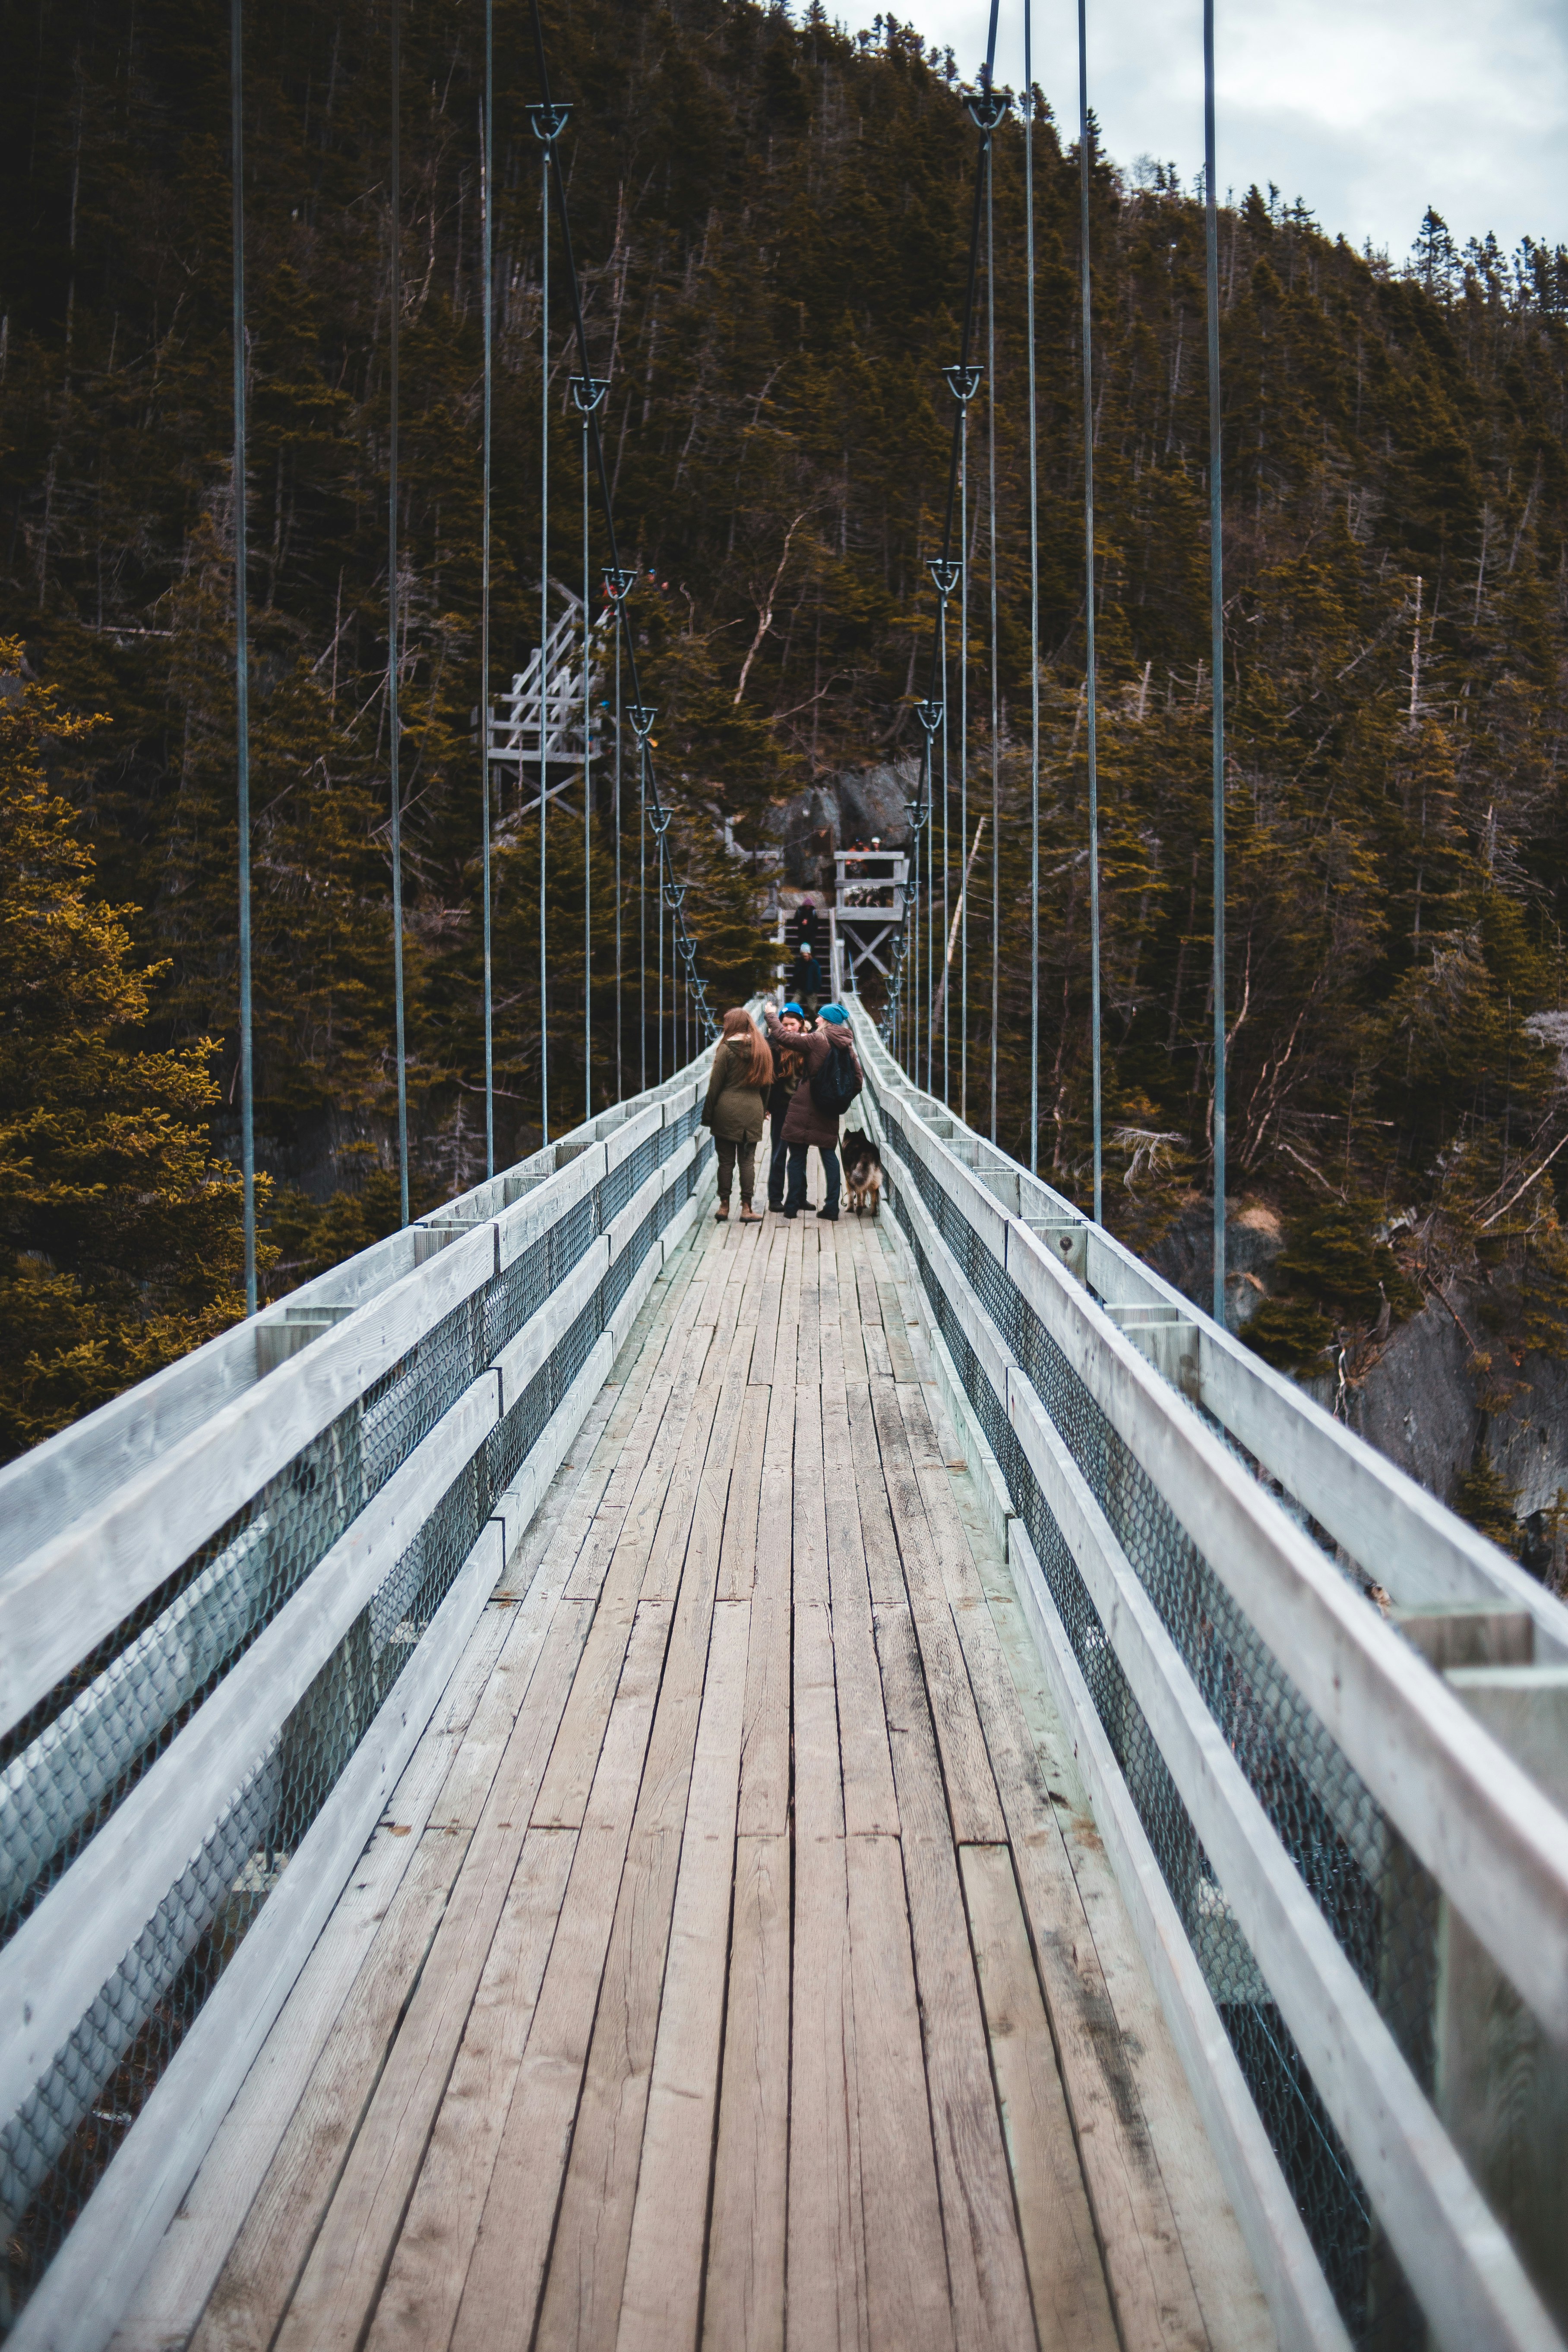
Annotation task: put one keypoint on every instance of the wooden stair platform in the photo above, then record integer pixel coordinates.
(737, 1965)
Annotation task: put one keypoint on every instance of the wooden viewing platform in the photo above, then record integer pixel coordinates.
(738, 1964)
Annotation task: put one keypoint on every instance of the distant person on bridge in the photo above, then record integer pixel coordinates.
(806, 977)
(832, 1079)
(787, 1068)
(738, 1089)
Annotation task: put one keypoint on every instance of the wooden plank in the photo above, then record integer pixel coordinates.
(738, 1561)
(873, 1339)
(743, 2304)
(787, 1341)
(985, 2266)
(765, 1742)
(966, 1767)
(848, 1247)
(429, 2260)
(501, 2293)
(663, 2288)
(808, 1331)
(1066, 2282)
(870, 1803)
(770, 1298)
(832, 1241)
(884, 1570)
(343, 2274)
(583, 2289)
(827, 2251)
(809, 1528)
(900, 1357)
(906, 2273)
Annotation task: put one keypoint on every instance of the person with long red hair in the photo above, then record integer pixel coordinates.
(738, 1088)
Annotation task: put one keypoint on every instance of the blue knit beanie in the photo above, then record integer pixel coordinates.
(795, 1009)
(833, 1013)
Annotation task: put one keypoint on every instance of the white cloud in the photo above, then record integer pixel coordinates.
(1368, 109)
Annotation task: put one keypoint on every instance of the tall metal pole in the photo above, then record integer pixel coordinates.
(242, 656)
(486, 233)
(1089, 689)
(1034, 611)
(392, 657)
(543, 634)
(1216, 627)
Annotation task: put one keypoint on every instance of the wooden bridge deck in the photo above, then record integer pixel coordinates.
(736, 1965)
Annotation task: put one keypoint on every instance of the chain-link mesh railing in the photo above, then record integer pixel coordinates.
(1381, 1904)
(72, 1760)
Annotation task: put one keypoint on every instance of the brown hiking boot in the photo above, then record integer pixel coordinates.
(748, 1215)
(723, 1209)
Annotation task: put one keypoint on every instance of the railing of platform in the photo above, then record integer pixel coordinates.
(1324, 1726)
(229, 1601)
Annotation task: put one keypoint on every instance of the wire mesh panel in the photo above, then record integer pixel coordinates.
(1381, 1904)
(68, 1765)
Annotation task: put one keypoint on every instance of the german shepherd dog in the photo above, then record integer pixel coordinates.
(862, 1172)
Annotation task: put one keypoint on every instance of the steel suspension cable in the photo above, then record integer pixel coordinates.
(946, 854)
(1033, 608)
(487, 145)
(963, 771)
(996, 682)
(242, 653)
(587, 809)
(1090, 681)
(679, 932)
(392, 642)
(546, 130)
(1216, 629)
(620, 1073)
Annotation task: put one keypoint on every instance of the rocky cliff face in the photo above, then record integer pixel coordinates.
(859, 804)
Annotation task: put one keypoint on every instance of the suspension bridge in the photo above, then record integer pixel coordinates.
(597, 1777)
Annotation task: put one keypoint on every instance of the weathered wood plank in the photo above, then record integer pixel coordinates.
(765, 1742)
(808, 1332)
(827, 2251)
(870, 1803)
(663, 2288)
(1066, 2282)
(743, 2305)
(501, 2291)
(884, 1570)
(738, 1561)
(985, 2268)
(906, 2273)
(430, 2258)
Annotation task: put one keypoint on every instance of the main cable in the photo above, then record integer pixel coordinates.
(1034, 610)
(1089, 685)
(242, 654)
(548, 136)
(587, 807)
(1217, 628)
(392, 652)
(487, 144)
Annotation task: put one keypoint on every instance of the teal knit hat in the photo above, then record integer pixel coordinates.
(833, 1013)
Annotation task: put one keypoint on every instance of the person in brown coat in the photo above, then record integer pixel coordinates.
(738, 1087)
(805, 1122)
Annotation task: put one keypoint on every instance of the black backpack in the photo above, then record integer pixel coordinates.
(835, 1085)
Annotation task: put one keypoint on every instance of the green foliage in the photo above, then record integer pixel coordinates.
(119, 1233)
(1483, 1497)
(1334, 1279)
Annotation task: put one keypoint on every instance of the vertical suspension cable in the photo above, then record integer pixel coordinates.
(620, 1073)
(242, 653)
(1216, 627)
(1034, 609)
(642, 909)
(587, 809)
(543, 627)
(964, 770)
(996, 682)
(391, 651)
(1089, 684)
(946, 862)
(486, 233)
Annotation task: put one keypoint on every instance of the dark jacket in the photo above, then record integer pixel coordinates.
(805, 977)
(787, 1068)
(803, 1123)
(734, 1110)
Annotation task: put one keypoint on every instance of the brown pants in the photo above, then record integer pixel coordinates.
(748, 1154)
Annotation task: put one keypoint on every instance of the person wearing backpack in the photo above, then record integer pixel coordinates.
(830, 1080)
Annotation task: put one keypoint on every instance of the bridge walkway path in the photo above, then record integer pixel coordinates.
(737, 1965)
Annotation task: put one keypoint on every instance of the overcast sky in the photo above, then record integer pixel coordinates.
(1369, 109)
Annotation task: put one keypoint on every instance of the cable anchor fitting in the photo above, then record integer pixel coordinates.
(588, 393)
(930, 714)
(964, 380)
(641, 717)
(988, 108)
(549, 119)
(619, 581)
(946, 573)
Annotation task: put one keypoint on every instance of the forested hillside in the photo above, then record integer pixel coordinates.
(770, 219)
